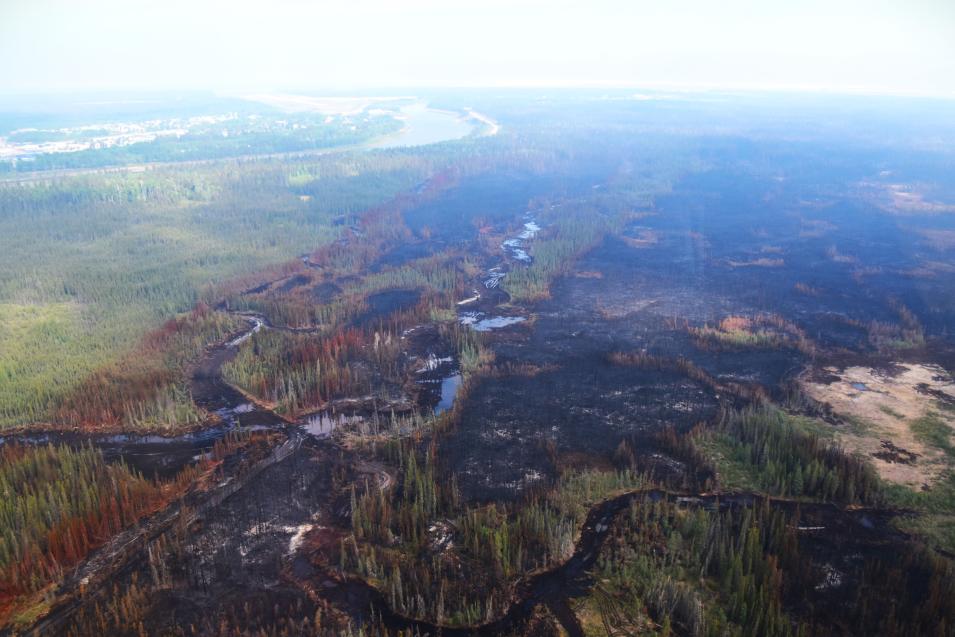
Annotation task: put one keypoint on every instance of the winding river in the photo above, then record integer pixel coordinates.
(424, 125)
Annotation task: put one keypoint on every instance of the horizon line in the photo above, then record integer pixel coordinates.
(340, 90)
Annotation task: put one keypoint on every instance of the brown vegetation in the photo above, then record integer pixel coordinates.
(808, 290)
(147, 387)
(758, 331)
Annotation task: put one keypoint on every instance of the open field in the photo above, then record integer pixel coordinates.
(901, 417)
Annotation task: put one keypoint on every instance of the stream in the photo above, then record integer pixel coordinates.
(155, 455)
(480, 311)
(552, 588)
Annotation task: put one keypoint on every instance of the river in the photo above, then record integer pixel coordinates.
(424, 125)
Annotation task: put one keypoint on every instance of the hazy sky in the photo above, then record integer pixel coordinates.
(899, 46)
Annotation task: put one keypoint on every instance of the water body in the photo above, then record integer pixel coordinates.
(481, 323)
(424, 126)
(323, 423)
(449, 389)
(516, 247)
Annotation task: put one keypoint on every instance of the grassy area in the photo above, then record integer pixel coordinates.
(765, 449)
(764, 331)
(934, 431)
(41, 344)
(738, 338)
(934, 522)
(891, 412)
(734, 474)
(555, 253)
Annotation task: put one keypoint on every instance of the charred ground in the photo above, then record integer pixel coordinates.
(573, 385)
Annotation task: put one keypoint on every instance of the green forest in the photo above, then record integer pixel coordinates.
(123, 253)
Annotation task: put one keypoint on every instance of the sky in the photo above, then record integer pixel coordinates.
(870, 46)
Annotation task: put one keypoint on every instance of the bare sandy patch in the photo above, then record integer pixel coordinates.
(918, 273)
(837, 257)
(805, 288)
(902, 199)
(491, 127)
(883, 405)
(815, 228)
(940, 266)
(941, 240)
(644, 239)
(756, 263)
